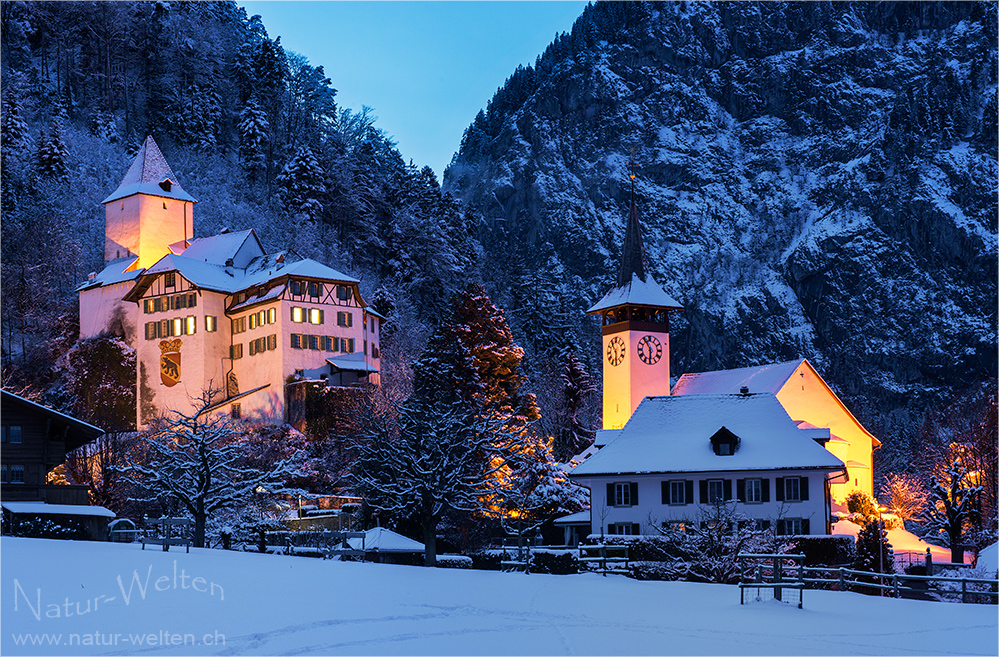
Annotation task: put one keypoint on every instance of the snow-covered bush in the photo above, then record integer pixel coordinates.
(486, 560)
(863, 507)
(554, 564)
(826, 550)
(454, 561)
(43, 528)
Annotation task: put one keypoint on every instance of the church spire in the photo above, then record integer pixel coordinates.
(633, 261)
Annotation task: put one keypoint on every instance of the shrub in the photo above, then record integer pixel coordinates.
(863, 506)
(825, 550)
(44, 528)
(486, 560)
(554, 564)
(669, 571)
(453, 561)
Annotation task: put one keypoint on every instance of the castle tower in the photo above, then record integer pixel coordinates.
(149, 215)
(635, 328)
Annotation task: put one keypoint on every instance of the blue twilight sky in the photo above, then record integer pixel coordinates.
(425, 68)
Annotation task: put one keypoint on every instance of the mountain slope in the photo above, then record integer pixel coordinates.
(814, 179)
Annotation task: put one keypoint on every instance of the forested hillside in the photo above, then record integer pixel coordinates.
(252, 130)
(814, 179)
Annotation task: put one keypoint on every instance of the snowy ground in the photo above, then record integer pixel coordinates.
(214, 602)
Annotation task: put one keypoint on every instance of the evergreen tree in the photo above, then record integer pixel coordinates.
(253, 138)
(874, 554)
(52, 156)
(575, 436)
(302, 185)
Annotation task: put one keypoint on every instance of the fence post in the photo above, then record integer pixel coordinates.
(895, 577)
(929, 562)
(842, 580)
(964, 591)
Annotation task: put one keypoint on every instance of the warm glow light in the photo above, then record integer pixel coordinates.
(314, 316)
(297, 314)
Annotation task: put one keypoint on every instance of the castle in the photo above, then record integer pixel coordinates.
(219, 313)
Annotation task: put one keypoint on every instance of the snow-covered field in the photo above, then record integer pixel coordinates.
(212, 602)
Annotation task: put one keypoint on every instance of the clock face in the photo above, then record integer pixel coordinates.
(649, 350)
(615, 351)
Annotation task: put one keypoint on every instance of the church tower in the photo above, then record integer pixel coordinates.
(635, 327)
(149, 215)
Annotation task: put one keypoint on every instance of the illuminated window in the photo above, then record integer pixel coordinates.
(315, 316)
(178, 326)
(253, 321)
(347, 345)
(192, 325)
(297, 314)
(211, 323)
(272, 315)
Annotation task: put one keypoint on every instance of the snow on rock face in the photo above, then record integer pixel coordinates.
(803, 192)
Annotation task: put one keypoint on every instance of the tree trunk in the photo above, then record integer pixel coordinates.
(430, 543)
(200, 518)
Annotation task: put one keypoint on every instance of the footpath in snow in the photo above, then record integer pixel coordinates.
(81, 598)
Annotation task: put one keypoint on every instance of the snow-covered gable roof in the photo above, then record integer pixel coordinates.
(150, 174)
(636, 293)
(240, 247)
(672, 434)
(116, 271)
(260, 270)
(764, 378)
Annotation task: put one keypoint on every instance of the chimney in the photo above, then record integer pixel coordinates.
(744, 390)
(228, 262)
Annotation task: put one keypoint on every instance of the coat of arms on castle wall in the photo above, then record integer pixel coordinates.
(170, 362)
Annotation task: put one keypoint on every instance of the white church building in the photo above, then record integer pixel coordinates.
(773, 441)
(219, 312)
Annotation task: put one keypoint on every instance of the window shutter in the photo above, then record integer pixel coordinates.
(192, 300)
(665, 487)
(780, 527)
(704, 491)
(727, 487)
(779, 489)
(766, 490)
(804, 527)
(688, 492)
(803, 482)
(322, 316)
(634, 494)
(610, 495)
(740, 489)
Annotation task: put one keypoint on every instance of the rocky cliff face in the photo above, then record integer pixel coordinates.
(814, 179)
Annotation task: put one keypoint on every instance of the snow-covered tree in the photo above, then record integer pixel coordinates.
(197, 461)
(100, 379)
(874, 553)
(52, 156)
(253, 139)
(953, 505)
(425, 459)
(302, 185)
(574, 436)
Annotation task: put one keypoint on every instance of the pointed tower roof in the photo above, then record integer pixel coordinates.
(633, 261)
(150, 174)
(634, 285)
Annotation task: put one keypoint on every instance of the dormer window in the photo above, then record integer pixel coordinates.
(165, 185)
(724, 442)
(170, 279)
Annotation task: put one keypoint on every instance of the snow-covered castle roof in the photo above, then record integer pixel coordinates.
(150, 174)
